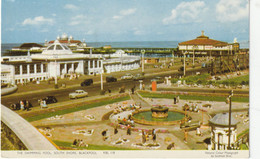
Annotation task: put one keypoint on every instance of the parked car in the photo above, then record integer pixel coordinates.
(158, 79)
(138, 77)
(111, 79)
(78, 94)
(127, 76)
(50, 99)
(87, 82)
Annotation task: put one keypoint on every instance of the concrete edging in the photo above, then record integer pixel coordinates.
(29, 135)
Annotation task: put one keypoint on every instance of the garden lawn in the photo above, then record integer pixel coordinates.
(192, 97)
(241, 80)
(90, 146)
(70, 110)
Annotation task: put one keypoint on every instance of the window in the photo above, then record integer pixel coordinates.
(24, 69)
(31, 68)
(51, 47)
(44, 67)
(17, 69)
(38, 66)
(58, 47)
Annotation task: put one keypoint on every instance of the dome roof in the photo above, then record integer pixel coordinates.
(222, 119)
(64, 36)
(57, 48)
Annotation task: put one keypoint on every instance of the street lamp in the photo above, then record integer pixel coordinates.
(56, 80)
(184, 56)
(101, 80)
(172, 57)
(229, 119)
(193, 57)
(143, 52)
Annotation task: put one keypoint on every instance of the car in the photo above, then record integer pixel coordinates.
(138, 77)
(78, 94)
(158, 79)
(50, 99)
(111, 79)
(127, 76)
(87, 82)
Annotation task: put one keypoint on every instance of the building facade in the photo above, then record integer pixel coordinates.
(203, 45)
(220, 130)
(57, 60)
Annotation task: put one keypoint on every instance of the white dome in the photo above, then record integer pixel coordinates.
(64, 36)
(71, 38)
(57, 48)
(58, 37)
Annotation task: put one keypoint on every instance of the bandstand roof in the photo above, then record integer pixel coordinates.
(204, 40)
(222, 119)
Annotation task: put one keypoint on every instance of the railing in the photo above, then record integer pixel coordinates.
(29, 136)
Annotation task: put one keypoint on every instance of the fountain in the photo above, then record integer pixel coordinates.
(159, 112)
(158, 115)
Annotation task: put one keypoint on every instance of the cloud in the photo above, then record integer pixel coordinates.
(124, 13)
(186, 12)
(11, 0)
(70, 7)
(232, 10)
(79, 19)
(128, 11)
(40, 20)
(90, 32)
(54, 14)
(138, 31)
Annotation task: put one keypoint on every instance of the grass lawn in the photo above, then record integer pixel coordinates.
(235, 81)
(244, 132)
(90, 146)
(192, 97)
(70, 110)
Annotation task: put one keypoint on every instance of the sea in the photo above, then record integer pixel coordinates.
(129, 44)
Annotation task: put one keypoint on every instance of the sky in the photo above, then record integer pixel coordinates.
(124, 20)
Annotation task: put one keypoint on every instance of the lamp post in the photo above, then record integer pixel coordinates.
(172, 57)
(193, 57)
(56, 80)
(184, 57)
(229, 120)
(101, 76)
(143, 52)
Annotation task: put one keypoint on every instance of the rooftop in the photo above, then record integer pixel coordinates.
(222, 119)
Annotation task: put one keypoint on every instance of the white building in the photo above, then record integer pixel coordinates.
(58, 60)
(220, 130)
(203, 44)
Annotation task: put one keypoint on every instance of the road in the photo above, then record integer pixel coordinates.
(93, 90)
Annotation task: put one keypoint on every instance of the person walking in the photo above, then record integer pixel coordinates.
(143, 137)
(175, 100)
(104, 134)
(22, 105)
(27, 105)
(154, 135)
(115, 129)
(128, 132)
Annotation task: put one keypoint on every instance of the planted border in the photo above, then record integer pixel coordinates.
(75, 109)
(90, 146)
(192, 97)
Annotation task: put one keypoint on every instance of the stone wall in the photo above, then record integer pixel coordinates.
(9, 140)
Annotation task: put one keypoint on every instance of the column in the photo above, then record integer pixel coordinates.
(28, 69)
(93, 63)
(35, 68)
(41, 68)
(21, 69)
(65, 68)
(72, 67)
(102, 67)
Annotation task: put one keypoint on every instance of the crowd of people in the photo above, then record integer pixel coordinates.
(122, 108)
(22, 105)
(79, 143)
(147, 135)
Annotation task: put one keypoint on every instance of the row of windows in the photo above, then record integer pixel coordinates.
(31, 68)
